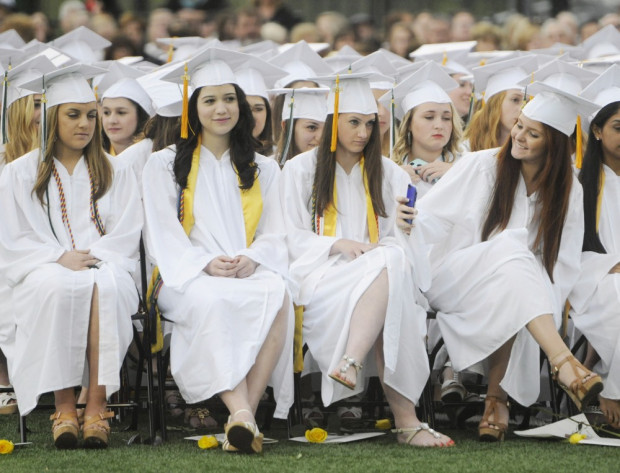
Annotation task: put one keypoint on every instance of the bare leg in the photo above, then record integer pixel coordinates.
(4, 373)
(546, 335)
(498, 363)
(247, 394)
(95, 397)
(592, 357)
(404, 410)
(367, 322)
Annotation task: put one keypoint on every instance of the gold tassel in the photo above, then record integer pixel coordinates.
(335, 120)
(579, 145)
(482, 102)
(95, 90)
(170, 52)
(185, 112)
(444, 61)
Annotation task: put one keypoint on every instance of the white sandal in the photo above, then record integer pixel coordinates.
(413, 431)
(8, 401)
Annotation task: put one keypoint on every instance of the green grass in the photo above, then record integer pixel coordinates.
(381, 454)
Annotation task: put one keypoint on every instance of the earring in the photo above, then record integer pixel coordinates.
(409, 138)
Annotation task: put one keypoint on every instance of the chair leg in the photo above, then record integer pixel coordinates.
(23, 430)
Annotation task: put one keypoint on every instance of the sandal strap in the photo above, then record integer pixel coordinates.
(96, 420)
(7, 398)
(413, 431)
(200, 412)
(64, 416)
(494, 400)
(350, 362)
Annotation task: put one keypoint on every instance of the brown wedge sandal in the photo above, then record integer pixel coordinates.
(65, 429)
(97, 430)
(584, 390)
(495, 431)
(242, 436)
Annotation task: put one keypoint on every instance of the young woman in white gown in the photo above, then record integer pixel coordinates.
(353, 278)
(72, 222)
(215, 230)
(506, 252)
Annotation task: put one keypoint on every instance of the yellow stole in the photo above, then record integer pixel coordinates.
(330, 214)
(329, 219)
(251, 203)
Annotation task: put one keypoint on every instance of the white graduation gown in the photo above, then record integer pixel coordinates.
(219, 324)
(486, 292)
(329, 287)
(595, 299)
(51, 302)
(7, 321)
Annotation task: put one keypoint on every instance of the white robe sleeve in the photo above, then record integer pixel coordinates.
(119, 244)
(269, 246)
(22, 246)
(179, 261)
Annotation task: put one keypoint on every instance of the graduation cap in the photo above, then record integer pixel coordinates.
(342, 58)
(562, 75)
(301, 63)
(349, 93)
(11, 39)
(180, 49)
(82, 44)
(264, 50)
(257, 76)
(115, 72)
(452, 56)
(376, 63)
(605, 42)
(396, 60)
(503, 75)
(210, 67)
(304, 102)
(166, 96)
(605, 89)
(429, 84)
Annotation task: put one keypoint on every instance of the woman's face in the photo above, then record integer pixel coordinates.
(36, 115)
(529, 144)
(76, 127)
(610, 139)
(382, 113)
(119, 120)
(307, 134)
(461, 96)
(431, 127)
(511, 109)
(218, 109)
(354, 130)
(259, 112)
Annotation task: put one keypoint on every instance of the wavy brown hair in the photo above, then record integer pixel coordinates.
(100, 167)
(484, 127)
(553, 182)
(22, 133)
(163, 131)
(326, 169)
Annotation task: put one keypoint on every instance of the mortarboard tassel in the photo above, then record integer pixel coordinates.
(579, 144)
(43, 121)
(444, 61)
(185, 111)
(5, 87)
(472, 100)
(335, 120)
(392, 124)
(170, 52)
(289, 131)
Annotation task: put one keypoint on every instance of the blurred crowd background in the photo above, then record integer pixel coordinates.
(397, 25)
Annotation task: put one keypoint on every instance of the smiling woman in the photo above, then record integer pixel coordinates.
(70, 236)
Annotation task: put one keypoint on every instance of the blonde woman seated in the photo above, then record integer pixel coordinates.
(428, 139)
(68, 242)
(354, 280)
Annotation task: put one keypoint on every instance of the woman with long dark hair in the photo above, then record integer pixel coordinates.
(215, 230)
(506, 227)
(352, 276)
(594, 299)
(69, 240)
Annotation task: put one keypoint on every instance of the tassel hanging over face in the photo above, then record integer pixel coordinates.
(335, 122)
(5, 87)
(43, 121)
(579, 144)
(185, 111)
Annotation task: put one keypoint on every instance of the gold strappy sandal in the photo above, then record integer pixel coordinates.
(584, 390)
(65, 429)
(242, 436)
(496, 431)
(96, 430)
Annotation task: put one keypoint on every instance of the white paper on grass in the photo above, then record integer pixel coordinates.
(333, 438)
(565, 427)
(221, 437)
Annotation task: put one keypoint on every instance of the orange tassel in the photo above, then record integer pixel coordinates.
(185, 111)
(335, 121)
(579, 145)
(444, 61)
(170, 52)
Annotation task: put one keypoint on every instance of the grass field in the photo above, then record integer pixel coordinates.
(374, 455)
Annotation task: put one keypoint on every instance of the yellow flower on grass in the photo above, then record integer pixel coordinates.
(383, 424)
(6, 446)
(316, 435)
(576, 438)
(207, 441)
